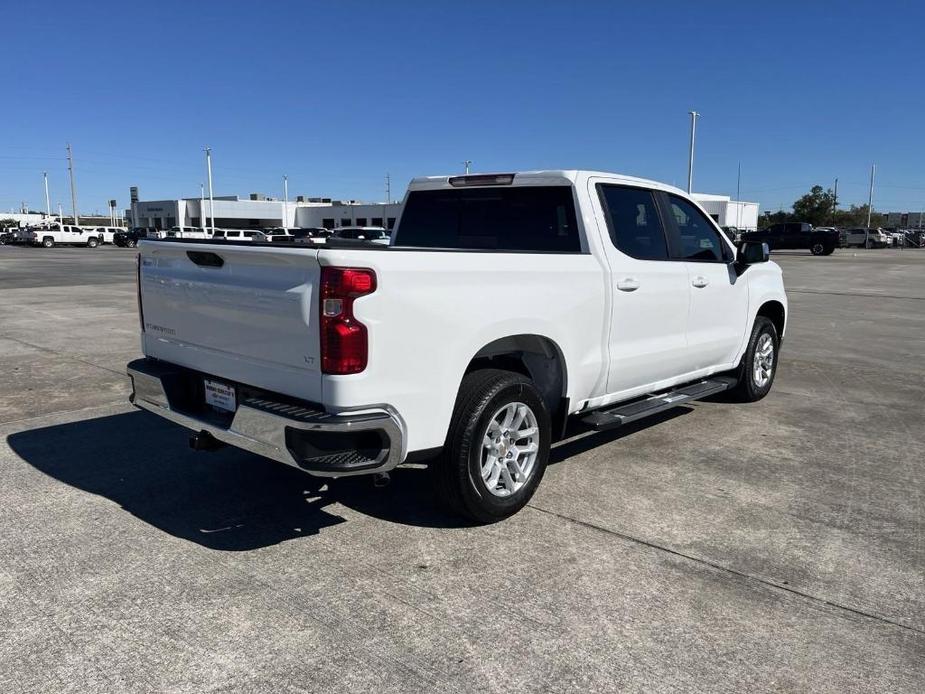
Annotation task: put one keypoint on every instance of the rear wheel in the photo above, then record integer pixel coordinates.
(48, 242)
(496, 449)
(92, 243)
(759, 364)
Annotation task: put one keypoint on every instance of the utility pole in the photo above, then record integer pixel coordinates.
(286, 204)
(70, 170)
(211, 201)
(388, 189)
(202, 207)
(835, 202)
(47, 199)
(870, 195)
(690, 160)
(60, 214)
(466, 164)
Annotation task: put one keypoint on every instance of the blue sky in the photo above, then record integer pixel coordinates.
(336, 94)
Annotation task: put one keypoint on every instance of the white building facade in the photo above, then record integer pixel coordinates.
(232, 212)
(728, 212)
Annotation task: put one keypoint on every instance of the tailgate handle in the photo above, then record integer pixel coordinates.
(205, 258)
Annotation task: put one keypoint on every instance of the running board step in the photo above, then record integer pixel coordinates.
(649, 405)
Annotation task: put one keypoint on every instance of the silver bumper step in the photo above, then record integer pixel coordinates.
(651, 404)
(261, 425)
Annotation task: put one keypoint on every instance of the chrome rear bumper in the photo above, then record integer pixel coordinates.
(268, 428)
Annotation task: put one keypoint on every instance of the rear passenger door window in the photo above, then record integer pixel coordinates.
(697, 238)
(633, 221)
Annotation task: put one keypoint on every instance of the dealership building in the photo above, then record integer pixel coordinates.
(728, 212)
(904, 220)
(260, 212)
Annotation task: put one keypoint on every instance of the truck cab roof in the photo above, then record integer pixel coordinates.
(531, 178)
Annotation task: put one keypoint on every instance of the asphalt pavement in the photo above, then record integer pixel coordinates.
(776, 546)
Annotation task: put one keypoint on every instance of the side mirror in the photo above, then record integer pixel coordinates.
(752, 252)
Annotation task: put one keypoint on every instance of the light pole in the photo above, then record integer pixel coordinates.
(60, 214)
(690, 160)
(739, 197)
(286, 203)
(466, 164)
(70, 169)
(47, 199)
(870, 195)
(211, 202)
(202, 207)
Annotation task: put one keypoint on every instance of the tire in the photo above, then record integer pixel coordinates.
(92, 243)
(817, 249)
(48, 242)
(131, 244)
(750, 388)
(482, 404)
(829, 251)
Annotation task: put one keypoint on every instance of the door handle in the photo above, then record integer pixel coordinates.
(700, 281)
(628, 284)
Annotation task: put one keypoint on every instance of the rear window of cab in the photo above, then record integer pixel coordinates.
(518, 218)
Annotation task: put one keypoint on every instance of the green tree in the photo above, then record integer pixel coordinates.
(815, 207)
(856, 216)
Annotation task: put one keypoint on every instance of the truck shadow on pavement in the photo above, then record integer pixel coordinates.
(230, 500)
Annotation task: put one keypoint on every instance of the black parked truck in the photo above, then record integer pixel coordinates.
(795, 235)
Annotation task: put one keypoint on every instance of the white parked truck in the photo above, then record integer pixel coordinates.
(107, 234)
(505, 304)
(65, 235)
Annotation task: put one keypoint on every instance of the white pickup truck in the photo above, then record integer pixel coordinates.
(505, 304)
(65, 235)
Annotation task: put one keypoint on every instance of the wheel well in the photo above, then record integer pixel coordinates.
(774, 311)
(536, 357)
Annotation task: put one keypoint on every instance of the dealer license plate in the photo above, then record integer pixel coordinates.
(220, 395)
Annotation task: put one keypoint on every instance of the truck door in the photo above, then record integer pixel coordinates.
(719, 298)
(795, 236)
(649, 292)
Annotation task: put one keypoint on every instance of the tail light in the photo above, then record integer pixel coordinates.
(141, 313)
(344, 340)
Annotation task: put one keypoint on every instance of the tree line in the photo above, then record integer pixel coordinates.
(819, 208)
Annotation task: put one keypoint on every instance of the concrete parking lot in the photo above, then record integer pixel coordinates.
(778, 546)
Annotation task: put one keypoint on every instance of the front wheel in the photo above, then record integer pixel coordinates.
(759, 364)
(496, 449)
(817, 249)
(131, 243)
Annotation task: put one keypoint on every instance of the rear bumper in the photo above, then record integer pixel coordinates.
(318, 442)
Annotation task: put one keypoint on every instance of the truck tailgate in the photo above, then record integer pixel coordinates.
(247, 314)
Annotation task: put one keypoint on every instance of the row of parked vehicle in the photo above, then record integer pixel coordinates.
(60, 235)
(92, 237)
(820, 240)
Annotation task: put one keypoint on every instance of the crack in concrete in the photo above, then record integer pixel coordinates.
(726, 569)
